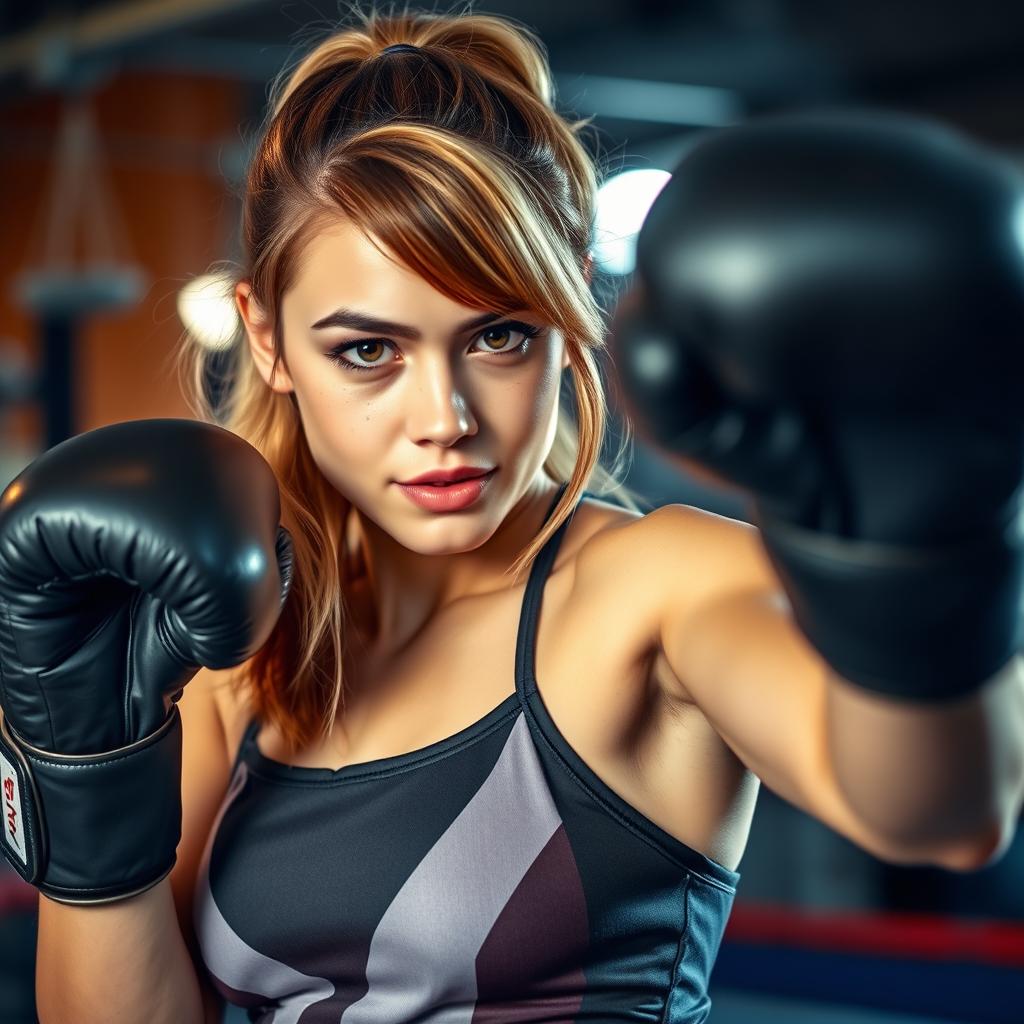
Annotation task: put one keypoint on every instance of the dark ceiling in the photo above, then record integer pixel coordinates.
(956, 59)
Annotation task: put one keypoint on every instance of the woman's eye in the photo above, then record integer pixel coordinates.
(368, 354)
(372, 352)
(496, 338)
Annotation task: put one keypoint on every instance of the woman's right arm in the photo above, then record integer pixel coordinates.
(123, 961)
(138, 959)
(130, 555)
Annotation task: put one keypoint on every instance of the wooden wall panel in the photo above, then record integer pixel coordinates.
(164, 140)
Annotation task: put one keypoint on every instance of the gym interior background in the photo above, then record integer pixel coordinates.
(125, 128)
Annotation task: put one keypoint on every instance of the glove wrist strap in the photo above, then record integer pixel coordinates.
(92, 828)
(917, 623)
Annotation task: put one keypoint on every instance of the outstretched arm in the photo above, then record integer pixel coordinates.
(909, 783)
(827, 314)
(945, 773)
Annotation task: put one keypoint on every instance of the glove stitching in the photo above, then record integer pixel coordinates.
(36, 759)
(126, 690)
(21, 658)
(10, 631)
(105, 890)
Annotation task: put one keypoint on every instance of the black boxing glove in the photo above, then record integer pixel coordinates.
(130, 556)
(827, 313)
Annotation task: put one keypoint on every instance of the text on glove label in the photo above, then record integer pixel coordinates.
(14, 829)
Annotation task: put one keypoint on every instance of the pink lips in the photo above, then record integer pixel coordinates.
(448, 476)
(447, 497)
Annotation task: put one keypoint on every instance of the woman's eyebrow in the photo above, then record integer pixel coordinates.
(354, 319)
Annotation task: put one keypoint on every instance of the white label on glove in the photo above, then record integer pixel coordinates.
(14, 828)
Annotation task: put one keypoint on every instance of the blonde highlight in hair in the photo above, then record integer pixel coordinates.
(453, 159)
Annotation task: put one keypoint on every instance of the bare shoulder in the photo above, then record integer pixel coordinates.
(676, 543)
(601, 537)
(671, 562)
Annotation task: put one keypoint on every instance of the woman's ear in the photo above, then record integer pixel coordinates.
(260, 335)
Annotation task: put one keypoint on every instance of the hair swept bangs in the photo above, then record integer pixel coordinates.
(452, 161)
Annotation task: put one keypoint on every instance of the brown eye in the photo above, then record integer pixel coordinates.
(502, 332)
(368, 355)
(499, 336)
(370, 351)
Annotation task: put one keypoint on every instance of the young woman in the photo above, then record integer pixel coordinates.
(498, 758)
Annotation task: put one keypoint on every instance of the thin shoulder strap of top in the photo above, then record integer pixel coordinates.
(529, 613)
(248, 737)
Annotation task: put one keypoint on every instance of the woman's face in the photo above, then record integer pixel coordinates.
(389, 403)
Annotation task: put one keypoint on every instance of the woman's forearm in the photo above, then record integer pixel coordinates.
(124, 961)
(943, 773)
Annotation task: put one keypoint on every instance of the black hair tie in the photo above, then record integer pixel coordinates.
(399, 48)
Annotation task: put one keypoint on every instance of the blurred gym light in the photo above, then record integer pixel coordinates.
(1017, 226)
(207, 309)
(634, 99)
(622, 204)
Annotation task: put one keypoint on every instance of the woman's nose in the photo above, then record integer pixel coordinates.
(439, 409)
